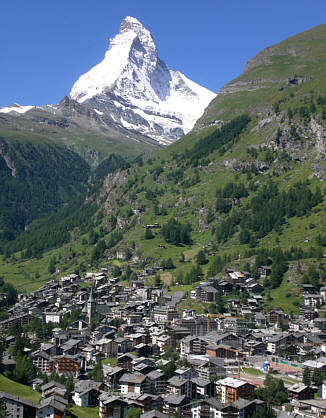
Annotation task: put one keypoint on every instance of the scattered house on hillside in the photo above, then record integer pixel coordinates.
(299, 391)
(264, 271)
(312, 300)
(86, 393)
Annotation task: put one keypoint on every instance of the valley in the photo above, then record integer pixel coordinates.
(159, 264)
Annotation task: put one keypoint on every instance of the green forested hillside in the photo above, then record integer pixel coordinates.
(36, 178)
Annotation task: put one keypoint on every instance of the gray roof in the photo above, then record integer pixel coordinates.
(132, 378)
(174, 399)
(16, 399)
(209, 289)
(52, 384)
(200, 382)
(177, 381)
(84, 386)
(297, 387)
(56, 402)
(155, 374)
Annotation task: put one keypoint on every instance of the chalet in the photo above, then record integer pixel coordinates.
(41, 361)
(264, 271)
(308, 313)
(275, 316)
(59, 336)
(143, 365)
(312, 300)
(315, 365)
(192, 345)
(202, 388)
(86, 393)
(17, 407)
(173, 403)
(125, 361)
(112, 406)
(152, 226)
(212, 368)
(54, 317)
(54, 390)
(186, 373)
(299, 391)
(145, 350)
(70, 347)
(112, 376)
(164, 314)
(137, 338)
(226, 338)
(157, 382)
(235, 303)
(255, 287)
(163, 342)
(107, 347)
(8, 363)
(307, 288)
(179, 386)
(312, 407)
(124, 344)
(22, 320)
(260, 319)
(320, 323)
(222, 351)
(134, 383)
(230, 389)
(206, 293)
(53, 406)
(224, 287)
(66, 365)
(236, 277)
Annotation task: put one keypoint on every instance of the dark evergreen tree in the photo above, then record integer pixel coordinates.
(306, 379)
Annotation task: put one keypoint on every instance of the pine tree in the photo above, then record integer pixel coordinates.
(148, 233)
(306, 380)
(201, 258)
(317, 377)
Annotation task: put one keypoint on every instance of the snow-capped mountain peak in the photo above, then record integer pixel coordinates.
(16, 108)
(138, 89)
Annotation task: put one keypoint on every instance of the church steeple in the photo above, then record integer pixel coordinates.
(91, 307)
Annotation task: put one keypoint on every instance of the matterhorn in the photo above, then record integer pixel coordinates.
(137, 89)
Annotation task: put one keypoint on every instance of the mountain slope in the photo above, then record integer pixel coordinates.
(37, 177)
(91, 134)
(246, 186)
(138, 90)
(295, 66)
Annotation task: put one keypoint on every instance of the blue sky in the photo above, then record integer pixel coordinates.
(46, 45)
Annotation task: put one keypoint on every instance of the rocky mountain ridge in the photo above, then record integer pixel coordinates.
(138, 90)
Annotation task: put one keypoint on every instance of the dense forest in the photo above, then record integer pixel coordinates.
(35, 179)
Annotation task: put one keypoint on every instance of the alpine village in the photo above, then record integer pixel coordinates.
(163, 247)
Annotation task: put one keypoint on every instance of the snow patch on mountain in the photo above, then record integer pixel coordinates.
(15, 107)
(138, 90)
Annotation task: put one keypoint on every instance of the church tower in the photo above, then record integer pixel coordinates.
(91, 307)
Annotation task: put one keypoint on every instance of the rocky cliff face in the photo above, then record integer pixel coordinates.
(138, 90)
